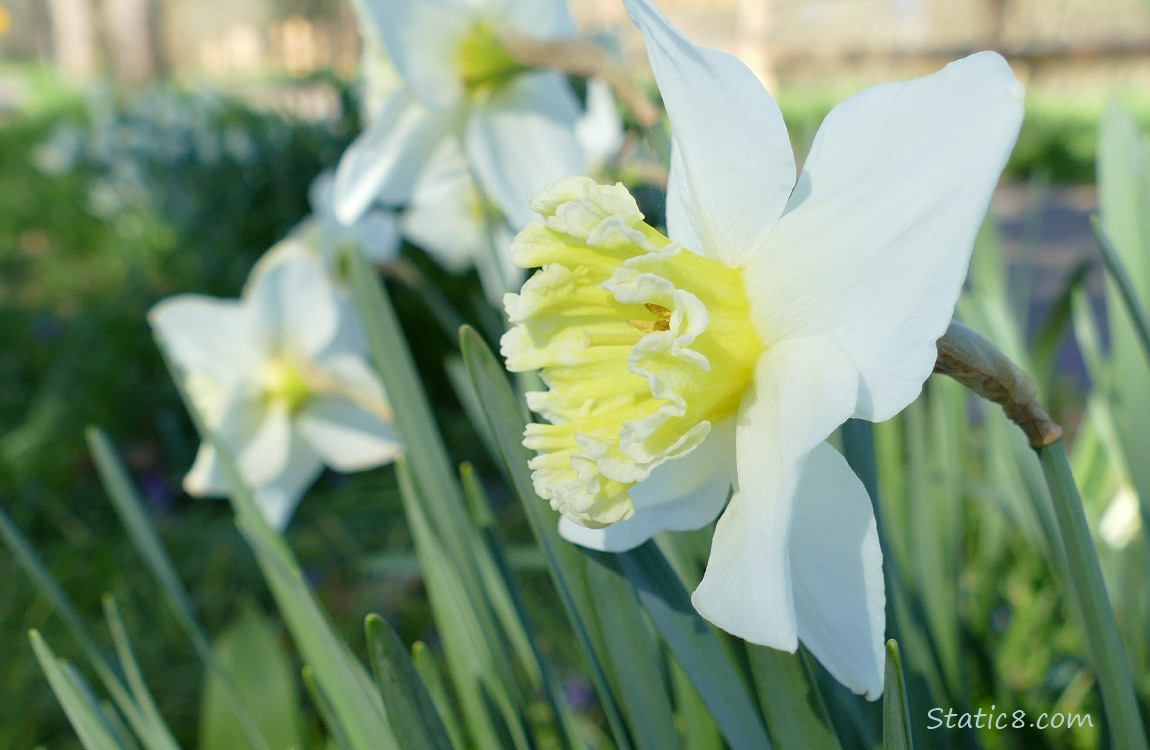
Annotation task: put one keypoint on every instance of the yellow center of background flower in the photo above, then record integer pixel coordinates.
(643, 344)
(283, 380)
(483, 60)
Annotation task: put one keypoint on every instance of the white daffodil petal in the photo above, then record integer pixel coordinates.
(346, 436)
(681, 212)
(262, 439)
(684, 514)
(710, 465)
(321, 193)
(538, 19)
(737, 164)
(377, 236)
(837, 567)
(385, 159)
(803, 389)
(279, 497)
(294, 303)
(600, 128)
(522, 137)
(681, 495)
(210, 336)
(350, 370)
(445, 216)
(451, 233)
(875, 243)
(206, 477)
(422, 38)
(350, 339)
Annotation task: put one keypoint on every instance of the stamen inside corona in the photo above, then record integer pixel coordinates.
(643, 344)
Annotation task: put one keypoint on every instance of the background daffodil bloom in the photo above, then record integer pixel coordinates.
(281, 375)
(462, 89)
(723, 356)
(375, 234)
(449, 217)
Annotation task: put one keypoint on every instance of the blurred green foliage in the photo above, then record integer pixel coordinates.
(110, 206)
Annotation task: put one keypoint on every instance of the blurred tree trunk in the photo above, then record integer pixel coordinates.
(131, 27)
(74, 38)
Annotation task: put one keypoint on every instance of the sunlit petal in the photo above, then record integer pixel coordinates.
(346, 436)
(876, 240)
(385, 160)
(539, 19)
(294, 303)
(206, 477)
(680, 495)
(212, 336)
(521, 137)
(836, 565)
(422, 39)
(261, 438)
(803, 389)
(737, 167)
(279, 498)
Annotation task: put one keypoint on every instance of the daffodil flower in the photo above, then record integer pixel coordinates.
(449, 216)
(722, 356)
(515, 123)
(374, 234)
(281, 376)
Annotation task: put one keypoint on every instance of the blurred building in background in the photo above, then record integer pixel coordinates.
(788, 41)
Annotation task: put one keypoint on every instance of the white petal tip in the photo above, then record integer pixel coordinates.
(992, 64)
(749, 625)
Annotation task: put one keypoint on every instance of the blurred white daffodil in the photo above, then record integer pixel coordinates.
(724, 356)
(600, 128)
(516, 124)
(281, 375)
(449, 217)
(375, 233)
(1122, 520)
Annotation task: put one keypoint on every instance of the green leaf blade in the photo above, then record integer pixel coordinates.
(896, 734)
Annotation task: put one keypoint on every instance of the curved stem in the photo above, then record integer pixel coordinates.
(966, 356)
(585, 58)
(979, 365)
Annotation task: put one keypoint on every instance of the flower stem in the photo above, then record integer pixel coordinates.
(979, 365)
(585, 58)
(966, 356)
(1089, 591)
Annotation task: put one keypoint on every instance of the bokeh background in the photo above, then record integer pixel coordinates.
(153, 147)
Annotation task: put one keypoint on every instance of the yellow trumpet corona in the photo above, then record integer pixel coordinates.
(643, 344)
